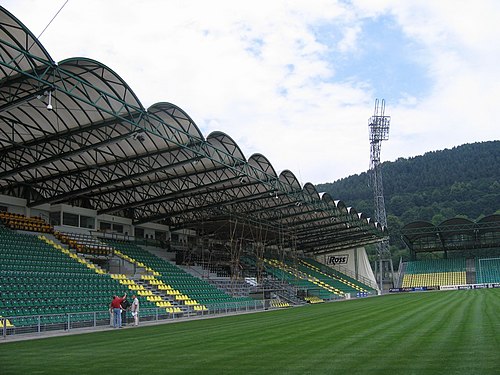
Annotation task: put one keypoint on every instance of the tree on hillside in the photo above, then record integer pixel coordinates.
(462, 181)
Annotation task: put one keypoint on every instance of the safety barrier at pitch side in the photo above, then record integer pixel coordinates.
(38, 324)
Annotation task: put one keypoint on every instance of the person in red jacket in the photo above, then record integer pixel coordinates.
(116, 306)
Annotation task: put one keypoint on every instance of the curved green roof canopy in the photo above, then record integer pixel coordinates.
(75, 132)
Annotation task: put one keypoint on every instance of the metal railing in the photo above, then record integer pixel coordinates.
(39, 324)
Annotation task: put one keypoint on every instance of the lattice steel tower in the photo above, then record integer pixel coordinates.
(379, 131)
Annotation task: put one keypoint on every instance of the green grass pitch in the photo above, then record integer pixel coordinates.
(454, 332)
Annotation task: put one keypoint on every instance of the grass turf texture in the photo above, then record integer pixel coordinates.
(454, 332)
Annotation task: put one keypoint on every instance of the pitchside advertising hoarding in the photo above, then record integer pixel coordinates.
(445, 287)
(469, 286)
(337, 259)
(413, 289)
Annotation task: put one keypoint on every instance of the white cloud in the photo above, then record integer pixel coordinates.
(258, 71)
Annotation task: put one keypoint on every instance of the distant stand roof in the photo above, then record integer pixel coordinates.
(453, 235)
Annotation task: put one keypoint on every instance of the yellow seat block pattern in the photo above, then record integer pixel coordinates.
(8, 324)
(181, 297)
(118, 276)
(154, 298)
(313, 299)
(434, 279)
(276, 303)
(173, 310)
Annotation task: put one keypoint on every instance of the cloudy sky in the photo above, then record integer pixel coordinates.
(297, 80)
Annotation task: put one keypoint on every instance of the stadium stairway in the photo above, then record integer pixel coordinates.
(155, 290)
(283, 290)
(139, 287)
(470, 271)
(350, 283)
(142, 284)
(235, 288)
(194, 289)
(301, 280)
(337, 283)
(172, 300)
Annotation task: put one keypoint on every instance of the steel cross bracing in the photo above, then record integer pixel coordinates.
(116, 175)
(453, 234)
(86, 146)
(379, 131)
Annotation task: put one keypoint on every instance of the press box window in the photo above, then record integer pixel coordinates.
(70, 219)
(139, 232)
(87, 222)
(118, 228)
(105, 227)
(55, 218)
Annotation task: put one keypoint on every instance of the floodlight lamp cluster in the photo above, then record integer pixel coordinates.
(49, 104)
(139, 136)
(274, 194)
(47, 93)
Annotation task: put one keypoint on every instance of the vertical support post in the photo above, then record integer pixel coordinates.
(356, 265)
(379, 131)
(381, 274)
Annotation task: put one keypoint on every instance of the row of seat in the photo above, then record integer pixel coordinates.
(434, 279)
(84, 243)
(32, 267)
(436, 265)
(21, 222)
(5, 215)
(55, 289)
(64, 279)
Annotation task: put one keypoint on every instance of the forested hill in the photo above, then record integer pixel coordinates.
(463, 181)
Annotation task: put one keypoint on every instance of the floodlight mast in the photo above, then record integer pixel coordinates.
(379, 131)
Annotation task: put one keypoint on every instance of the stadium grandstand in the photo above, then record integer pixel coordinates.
(456, 254)
(101, 196)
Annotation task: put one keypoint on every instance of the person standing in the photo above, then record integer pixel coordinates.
(125, 306)
(117, 310)
(135, 310)
(111, 315)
